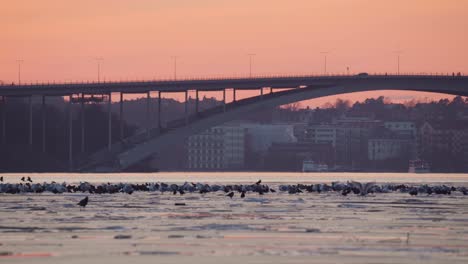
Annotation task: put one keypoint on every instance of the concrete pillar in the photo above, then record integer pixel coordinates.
(234, 94)
(70, 134)
(82, 124)
(4, 109)
(109, 113)
(30, 121)
(121, 117)
(159, 110)
(44, 112)
(261, 93)
(271, 90)
(196, 101)
(186, 107)
(148, 121)
(224, 100)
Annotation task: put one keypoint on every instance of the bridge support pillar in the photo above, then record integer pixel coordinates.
(196, 101)
(70, 134)
(224, 100)
(234, 95)
(261, 93)
(4, 109)
(109, 116)
(186, 107)
(121, 117)
(271, 90)
(159, 110)
(30, 122)
(148, 121)
(82, 124)
(43, 112)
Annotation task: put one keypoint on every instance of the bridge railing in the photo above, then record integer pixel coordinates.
(231, 77)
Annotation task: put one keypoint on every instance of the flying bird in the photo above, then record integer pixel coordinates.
(29, 179)
(22, 179)
(242, 194)
(258, 182)
(231, 194)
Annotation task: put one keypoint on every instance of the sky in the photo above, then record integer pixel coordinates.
(59, 40)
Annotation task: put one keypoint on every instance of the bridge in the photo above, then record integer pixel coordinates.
(132, 150)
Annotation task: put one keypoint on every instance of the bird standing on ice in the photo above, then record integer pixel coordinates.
(83, 202)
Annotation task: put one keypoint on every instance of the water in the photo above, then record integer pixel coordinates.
(212, 228)
(240, 177)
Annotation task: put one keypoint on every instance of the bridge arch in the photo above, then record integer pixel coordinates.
(240, 108)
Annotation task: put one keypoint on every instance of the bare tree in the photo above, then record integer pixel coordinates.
(296, 106)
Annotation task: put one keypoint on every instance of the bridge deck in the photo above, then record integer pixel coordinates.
(212, 84)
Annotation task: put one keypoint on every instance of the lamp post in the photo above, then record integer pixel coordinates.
(19, 70)
(175, 66)
(325, 53)
(251, 55)
(98, 60)
(398, 52)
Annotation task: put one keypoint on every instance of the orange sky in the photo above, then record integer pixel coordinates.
(58, 39)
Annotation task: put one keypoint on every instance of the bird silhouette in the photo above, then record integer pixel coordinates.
(413, 191)
(258, 182)
(22, 179)
(346, 191)
(1, 179)
(29, 179)
(83, 202)
(364, 189)
(231, 194)
(242, 194)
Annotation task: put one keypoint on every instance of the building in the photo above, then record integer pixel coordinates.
(262, 136)
(221, 147)
(388, 148)
(352, 139)
(444, 144)
(321, 134)
(403, 128)
(407, 130)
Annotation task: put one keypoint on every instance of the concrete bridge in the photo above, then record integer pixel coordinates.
(130, 151)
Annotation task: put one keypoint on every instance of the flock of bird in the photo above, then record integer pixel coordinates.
(28, 186)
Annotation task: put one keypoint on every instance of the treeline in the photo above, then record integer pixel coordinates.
(378, 108)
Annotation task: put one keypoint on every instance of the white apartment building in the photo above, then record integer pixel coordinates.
(321, 134)
(220, 147)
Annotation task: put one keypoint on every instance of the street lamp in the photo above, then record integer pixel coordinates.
(398, 52)
(325, 61)
(251, 55)
(19, 70)
(175, 66)
(98, 60)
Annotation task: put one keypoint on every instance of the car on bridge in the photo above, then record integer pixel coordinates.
(362, 74)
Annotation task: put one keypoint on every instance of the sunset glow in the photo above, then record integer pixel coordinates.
(59, 40)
